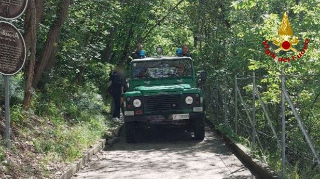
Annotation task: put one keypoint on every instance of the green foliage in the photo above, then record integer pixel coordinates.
(225, 39)
(16, 84)
(17, 114)
(73, 103)
(233, 33)
(2, 153)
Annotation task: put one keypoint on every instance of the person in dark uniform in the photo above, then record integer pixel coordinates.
(116, 90)
(139, 53)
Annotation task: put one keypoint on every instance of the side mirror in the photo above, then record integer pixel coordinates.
(202, 76)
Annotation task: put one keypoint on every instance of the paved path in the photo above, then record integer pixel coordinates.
(166, 153)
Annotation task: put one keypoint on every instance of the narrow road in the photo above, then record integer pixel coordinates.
(166, 153)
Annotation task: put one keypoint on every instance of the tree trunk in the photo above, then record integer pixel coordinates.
(51, 61)
(127, 46)
(33, 29)
(52, 41)
(38, 15)
(109, 44)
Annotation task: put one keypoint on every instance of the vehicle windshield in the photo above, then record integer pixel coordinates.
(162, 69)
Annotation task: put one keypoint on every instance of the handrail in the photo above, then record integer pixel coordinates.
(302, 126)
(229, 93)
(268, 117)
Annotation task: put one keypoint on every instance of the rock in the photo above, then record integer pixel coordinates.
(8, 176)
(2, 168)
(58, 173)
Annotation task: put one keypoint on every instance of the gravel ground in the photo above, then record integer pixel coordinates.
(166, 153)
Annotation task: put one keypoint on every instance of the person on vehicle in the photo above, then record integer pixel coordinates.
(139, 53)
(116, 90)
(185, 51)
(181, 70)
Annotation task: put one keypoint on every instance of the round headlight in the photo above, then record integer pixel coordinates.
(189, 100)
(137, 103)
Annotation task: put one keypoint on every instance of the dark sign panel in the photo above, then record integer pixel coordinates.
(11, 9)
(12, 49)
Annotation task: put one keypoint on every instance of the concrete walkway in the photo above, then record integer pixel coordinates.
(166, 153)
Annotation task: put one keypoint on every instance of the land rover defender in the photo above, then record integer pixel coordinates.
(163, 91)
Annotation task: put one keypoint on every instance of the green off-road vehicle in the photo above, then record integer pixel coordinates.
(163, 91)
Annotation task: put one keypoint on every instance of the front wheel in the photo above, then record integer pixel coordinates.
(199, 130)
(131, 131)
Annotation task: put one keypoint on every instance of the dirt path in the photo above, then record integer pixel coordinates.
(166, 153)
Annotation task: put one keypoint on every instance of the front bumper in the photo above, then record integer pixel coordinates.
(163, 119)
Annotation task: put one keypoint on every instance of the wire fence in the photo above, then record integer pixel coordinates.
(278, 117)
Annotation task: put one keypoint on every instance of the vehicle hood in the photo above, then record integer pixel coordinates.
(163, 88)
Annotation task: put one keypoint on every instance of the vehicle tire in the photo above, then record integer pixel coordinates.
(131, 131)
(190, 128)
(199, 131)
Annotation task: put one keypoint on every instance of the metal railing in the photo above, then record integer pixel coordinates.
(236, 103)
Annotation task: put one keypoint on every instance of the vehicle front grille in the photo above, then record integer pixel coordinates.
(162, 103)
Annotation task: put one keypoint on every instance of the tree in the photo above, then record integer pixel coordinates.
(51, 44)
(31, 31)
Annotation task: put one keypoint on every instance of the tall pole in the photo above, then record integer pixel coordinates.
(236, 104)
(283, 139)
(254, 109)
(217, 102)
(7, 109)
(225, 101)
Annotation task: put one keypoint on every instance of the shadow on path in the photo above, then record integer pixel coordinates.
(167, 153)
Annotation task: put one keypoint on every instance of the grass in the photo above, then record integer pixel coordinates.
(68, 141)
(59, 127)
(45, 147)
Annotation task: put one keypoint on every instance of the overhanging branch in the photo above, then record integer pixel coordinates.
(161, 20)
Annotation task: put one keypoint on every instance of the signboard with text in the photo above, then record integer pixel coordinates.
(12, 49)
(12, 9)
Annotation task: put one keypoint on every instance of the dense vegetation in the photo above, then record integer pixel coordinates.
(73, 45)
